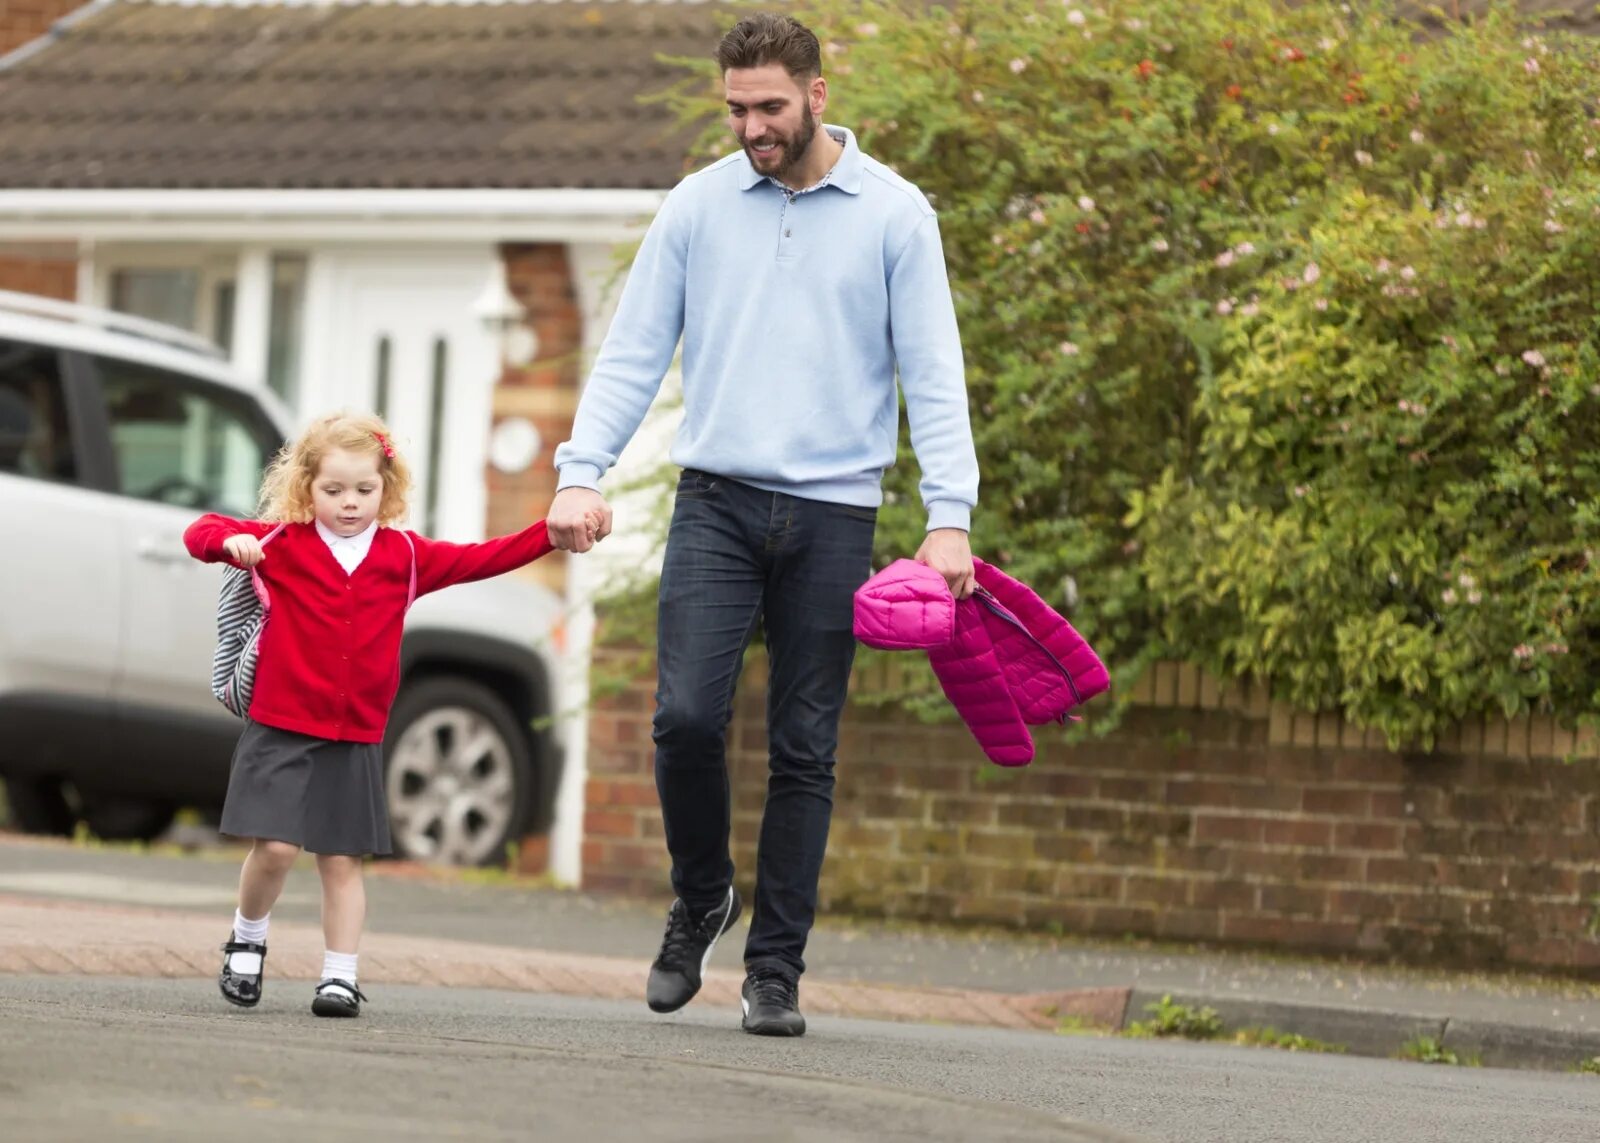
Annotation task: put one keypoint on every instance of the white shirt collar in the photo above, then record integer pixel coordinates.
(348, 550)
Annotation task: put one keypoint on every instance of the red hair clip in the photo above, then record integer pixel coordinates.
(388, 449)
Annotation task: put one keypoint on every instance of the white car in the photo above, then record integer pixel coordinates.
(115, 433)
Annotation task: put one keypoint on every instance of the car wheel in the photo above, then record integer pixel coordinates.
(113, 817)
(39, 805)
(457, 773)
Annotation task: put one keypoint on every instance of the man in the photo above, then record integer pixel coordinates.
(800, 274)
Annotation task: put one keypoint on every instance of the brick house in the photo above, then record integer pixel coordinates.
(342, 196)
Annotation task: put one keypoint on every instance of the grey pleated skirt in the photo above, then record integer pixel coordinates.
(326, 797)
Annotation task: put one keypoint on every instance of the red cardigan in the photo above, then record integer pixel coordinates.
(330, 652)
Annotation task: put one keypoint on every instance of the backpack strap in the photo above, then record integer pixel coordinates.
(411, 592)
(256, 582)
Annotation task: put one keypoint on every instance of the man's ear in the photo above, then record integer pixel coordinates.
(818, 95)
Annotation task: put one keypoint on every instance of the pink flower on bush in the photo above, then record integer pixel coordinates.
(1085, 203)
(1551, 226)
(1225, 259)
(1474, 597)
(1321, 303)
(1036, 215)
(1068, 349)
(1417, 136)
(1160, 246)
(1364, 158)
(1018, 66)
(1522, 652)
(1312, 273)
(1448, 597)
(1300, 490)
(1407, 273)
(1076, 18)
(1533, 357)
(866, 29)
(1245, 249)
(1531, 66)
(1225, 307)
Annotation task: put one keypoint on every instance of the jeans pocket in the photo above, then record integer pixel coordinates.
(864, 515)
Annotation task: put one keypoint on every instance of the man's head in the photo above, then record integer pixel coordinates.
(772, 77)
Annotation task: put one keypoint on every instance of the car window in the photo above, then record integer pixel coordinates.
(184, 442)
(35, 439)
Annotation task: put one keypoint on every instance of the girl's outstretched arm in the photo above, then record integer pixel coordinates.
(440, 564)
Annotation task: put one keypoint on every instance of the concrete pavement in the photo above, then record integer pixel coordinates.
(66, 909)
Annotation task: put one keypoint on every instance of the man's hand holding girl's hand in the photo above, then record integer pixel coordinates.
(579, 519)
(244, 550)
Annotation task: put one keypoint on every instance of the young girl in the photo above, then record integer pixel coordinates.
(308, 770)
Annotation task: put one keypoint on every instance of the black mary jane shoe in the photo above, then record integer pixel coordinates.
(331, 1001)
(241, 988)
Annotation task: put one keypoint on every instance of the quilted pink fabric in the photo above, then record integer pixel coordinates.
(1005, 658)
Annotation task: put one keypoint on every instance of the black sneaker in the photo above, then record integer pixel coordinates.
(685, 951)
(337, 998)
(771, 1003)
(241, 988)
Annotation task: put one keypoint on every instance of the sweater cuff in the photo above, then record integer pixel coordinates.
(949, 514)
(578, 474)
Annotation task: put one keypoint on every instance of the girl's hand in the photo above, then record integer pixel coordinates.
(244, 550)
(593, 520)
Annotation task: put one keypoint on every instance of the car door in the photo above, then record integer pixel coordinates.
(180, 446)
(60, 575)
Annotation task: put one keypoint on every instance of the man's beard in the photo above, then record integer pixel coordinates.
(791, 150)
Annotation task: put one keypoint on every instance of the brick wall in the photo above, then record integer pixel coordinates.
(52, 277)
(24, 20)
(1213, 814)
(544, 392)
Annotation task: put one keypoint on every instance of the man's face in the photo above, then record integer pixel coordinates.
(773, 115)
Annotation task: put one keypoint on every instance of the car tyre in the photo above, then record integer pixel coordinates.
(458, 773)
(39, 805)
(119, 817)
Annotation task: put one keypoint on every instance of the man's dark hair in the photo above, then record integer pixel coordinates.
(767, 37)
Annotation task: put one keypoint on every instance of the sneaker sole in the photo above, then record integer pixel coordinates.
(240, 1003)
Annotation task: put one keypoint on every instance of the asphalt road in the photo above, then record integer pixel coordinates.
(87, 1057)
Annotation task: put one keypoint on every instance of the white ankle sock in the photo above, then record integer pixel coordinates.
(339, 966)
(253, 931)
(248, 963)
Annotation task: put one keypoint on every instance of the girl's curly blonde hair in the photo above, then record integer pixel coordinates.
(286, 488)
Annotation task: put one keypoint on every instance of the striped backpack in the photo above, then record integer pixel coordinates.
(242, 609)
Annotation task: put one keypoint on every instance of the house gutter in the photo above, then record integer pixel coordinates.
(363, 215)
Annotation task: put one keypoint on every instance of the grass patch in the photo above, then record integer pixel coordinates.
(1589, 1067)
(1176, 1021)
(1429, 1050)
(1284, 1041)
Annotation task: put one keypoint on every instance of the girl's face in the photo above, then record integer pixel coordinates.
(347, 492)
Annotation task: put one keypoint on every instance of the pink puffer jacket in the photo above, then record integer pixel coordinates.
(1005, 659)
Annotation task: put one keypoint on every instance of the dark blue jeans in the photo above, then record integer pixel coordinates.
(738, 556)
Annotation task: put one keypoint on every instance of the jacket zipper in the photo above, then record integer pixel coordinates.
(995, 607)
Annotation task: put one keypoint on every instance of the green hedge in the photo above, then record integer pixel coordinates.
(1280, 330)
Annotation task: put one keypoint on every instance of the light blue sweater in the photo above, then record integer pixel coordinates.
(795, 311)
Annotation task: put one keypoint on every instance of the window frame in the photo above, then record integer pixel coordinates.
(97, 416)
